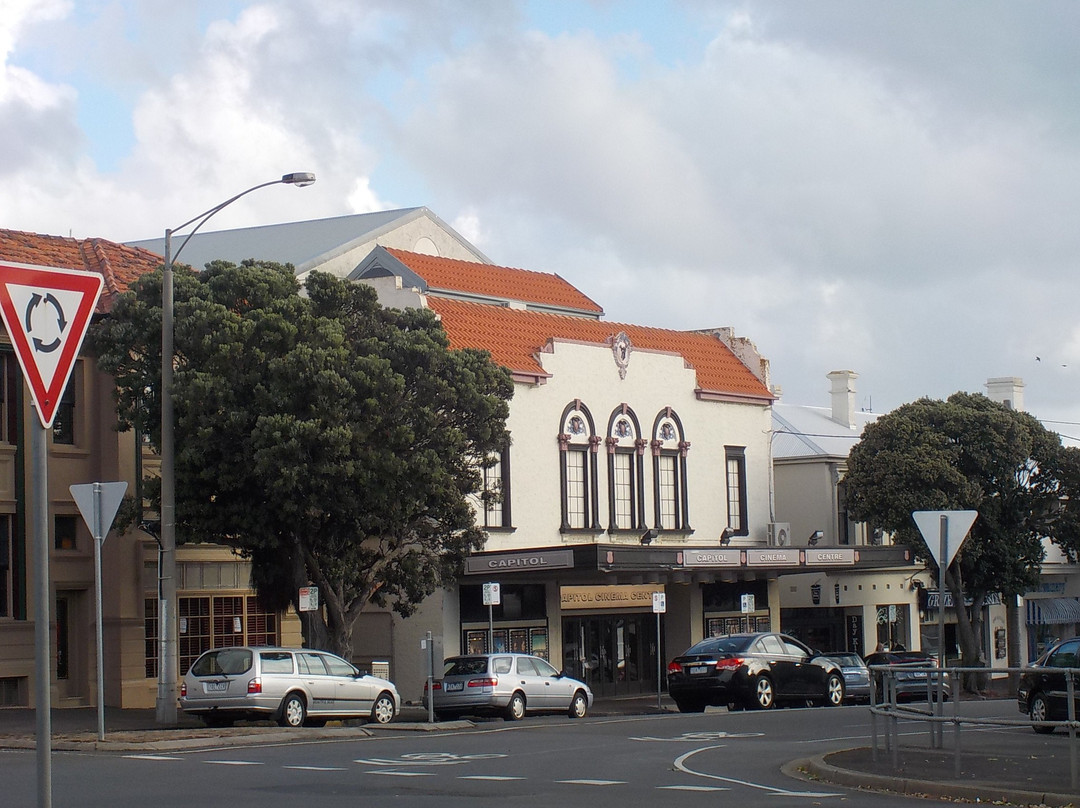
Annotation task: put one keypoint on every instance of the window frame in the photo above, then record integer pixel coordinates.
(737, 518)
(626, 484)
(578, 442)
(669, 442)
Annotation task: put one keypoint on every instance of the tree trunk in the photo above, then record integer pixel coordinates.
(970, 648)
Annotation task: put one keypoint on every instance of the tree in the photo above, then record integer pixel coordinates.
(968, 453)
(330, 440)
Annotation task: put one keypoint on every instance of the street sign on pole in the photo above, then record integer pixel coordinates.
(957, 525)
(944, 532)
(308, 599)
(46, 312)
(98, 503)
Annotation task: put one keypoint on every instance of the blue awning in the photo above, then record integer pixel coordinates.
(1052, 611)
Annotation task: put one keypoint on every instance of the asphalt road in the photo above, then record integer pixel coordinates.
(602, 762)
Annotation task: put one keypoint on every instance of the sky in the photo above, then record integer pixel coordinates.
(889, 188)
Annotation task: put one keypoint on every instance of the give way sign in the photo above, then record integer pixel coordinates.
(46, 312)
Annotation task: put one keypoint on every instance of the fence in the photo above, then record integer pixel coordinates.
(942, 686)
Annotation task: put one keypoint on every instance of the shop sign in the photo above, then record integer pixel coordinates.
(626, 596)
(773, 557)
(712, 558)
(830, 556)
(933, 598)
(519, 562)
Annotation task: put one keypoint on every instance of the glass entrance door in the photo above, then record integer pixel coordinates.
(614, 654)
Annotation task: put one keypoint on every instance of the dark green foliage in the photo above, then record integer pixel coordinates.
(968, 453)
(333, 441)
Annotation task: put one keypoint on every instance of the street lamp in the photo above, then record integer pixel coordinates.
(167, 622)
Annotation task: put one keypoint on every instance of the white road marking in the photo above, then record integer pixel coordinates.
(487, 777)
(399, 773)
(680, 764)
(151, 757)
(317, 768)
(234, 762)
(695, 788)
(593, 782)
(426, 759)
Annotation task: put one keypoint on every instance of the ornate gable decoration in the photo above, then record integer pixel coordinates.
(621, 348)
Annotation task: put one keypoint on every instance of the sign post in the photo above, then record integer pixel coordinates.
(98, 503)
(46, 312)
(492, 597)
(934, 527)
(659, 607)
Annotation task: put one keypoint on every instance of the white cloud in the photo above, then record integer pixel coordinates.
(877, 186)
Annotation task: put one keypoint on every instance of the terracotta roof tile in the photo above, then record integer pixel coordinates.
(515, 339)
(119, 264)
(504, 283)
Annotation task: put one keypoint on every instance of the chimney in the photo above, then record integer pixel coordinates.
(1007, 390)
(843, 397)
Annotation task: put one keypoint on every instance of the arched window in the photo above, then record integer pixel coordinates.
(626, 482)
(669, 448)
(578, 444)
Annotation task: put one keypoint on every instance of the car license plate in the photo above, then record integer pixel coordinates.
(698, 670)
(215, 687)
(452, 687)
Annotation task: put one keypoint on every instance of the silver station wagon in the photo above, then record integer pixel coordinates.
(506, 684)
(293, 686)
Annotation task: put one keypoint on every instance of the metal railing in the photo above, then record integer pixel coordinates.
(943, 686)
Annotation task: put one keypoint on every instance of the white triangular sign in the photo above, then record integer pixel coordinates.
(957, 525)
(46, 312)
(98, 504)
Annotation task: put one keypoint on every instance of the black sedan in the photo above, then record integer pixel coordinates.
(753, 670)
(1043, 693)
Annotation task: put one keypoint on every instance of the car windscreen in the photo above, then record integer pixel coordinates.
(231, 661)
(847, 660)
(721, 645)
(465, 666)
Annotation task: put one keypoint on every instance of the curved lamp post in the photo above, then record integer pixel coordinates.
(167, 620)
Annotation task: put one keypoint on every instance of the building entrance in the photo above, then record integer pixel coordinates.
(614, 654)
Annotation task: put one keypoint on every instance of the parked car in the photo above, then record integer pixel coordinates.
(856, 674)
(912, 669)
(1043, 693)
(510, 685)
(292, 686)
(752, 670)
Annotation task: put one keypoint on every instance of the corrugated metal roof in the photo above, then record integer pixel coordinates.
(305, 245)
(800, 431)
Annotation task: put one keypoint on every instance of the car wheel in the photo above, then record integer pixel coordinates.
(382, 711)
(834, 691)
(579, 705)
(293, 711)
(764, 695)
(515, 710)
(690, 706)
(1039, 711)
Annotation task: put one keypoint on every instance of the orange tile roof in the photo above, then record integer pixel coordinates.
(504, 283)
(515, 338)
(120, 265)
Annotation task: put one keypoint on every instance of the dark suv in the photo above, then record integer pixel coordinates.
(753, 670)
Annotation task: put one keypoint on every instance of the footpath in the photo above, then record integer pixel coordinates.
(1003, 769)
